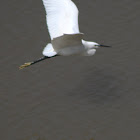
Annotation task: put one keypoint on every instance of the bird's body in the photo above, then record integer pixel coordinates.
(66, 39)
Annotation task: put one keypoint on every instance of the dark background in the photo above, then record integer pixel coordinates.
(70, 98)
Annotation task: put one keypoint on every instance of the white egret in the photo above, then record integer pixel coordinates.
(66, 39)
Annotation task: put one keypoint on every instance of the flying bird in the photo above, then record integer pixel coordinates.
(66, 39)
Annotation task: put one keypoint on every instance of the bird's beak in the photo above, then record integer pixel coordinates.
(100, 45)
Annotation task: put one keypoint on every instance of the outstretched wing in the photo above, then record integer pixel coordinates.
(62, 17)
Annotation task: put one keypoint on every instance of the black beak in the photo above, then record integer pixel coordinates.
(100, 45)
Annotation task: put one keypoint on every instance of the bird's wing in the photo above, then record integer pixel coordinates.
(62, 17)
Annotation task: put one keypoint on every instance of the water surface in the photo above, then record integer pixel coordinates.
(70, 98)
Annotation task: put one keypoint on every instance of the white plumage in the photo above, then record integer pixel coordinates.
(62, 17)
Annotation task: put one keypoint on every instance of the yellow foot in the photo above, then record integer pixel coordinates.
(25, 65)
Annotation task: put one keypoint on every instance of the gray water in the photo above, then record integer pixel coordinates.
(70, 98)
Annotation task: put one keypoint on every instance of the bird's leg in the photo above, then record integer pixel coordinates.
(31, 63)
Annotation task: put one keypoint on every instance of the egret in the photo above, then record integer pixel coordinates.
(66, 39)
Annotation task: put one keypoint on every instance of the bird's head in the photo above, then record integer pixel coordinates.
(92, 45)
